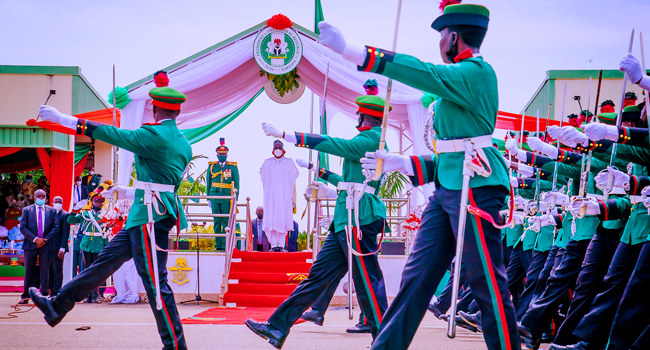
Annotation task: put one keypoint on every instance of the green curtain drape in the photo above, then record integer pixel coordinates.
(80, 152)
(197, 134)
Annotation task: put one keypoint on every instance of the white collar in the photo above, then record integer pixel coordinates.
(222, 164)
(40, 206)
(162, 120)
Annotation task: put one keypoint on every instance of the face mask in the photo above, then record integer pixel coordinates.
(78, 183)
(222, 159)
(278, 153)
(91, 172)
(29, 181)
(58, 206)
(40, 202)
(260, 216)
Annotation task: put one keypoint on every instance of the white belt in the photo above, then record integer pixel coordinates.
(458, 145)
(154, 187)
(344, 186)
(95, 234)
(595, 196)
(636, 199)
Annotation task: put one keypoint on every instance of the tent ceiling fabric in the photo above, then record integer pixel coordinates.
(222, 81)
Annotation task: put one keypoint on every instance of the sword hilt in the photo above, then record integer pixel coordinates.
(378, 169)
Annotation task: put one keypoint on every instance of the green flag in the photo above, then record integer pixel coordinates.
(318, 16)
(323, 159)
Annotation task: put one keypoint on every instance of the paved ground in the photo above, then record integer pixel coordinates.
(133, 327)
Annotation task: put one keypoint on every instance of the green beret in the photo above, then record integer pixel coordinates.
(372, 105)
(462, 15)
(166, 97)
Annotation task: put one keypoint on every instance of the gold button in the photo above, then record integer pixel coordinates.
(376, 53)
(381, 54)
(370, 50)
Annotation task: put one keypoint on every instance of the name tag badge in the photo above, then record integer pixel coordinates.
(227, 173)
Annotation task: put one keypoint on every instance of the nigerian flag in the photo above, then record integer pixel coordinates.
(323, 159)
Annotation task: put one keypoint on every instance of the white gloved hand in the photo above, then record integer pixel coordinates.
(571, 137)
(645, 191)
(82, 203)
(331, 37)
(518, 219)
(508, 163)
(546, 220)
(323, 192)
(540, 146)
(631, 66)
(511, 146)
(123, 192)
(554, 131)
(325, 222)
(525, 170)
(592, 207)
(520, 202)
(600, 131)
(272, 130)
(392, 162)
(620, 179)
(514, 183)
(305, 163)
(560, 198)
(51, 114)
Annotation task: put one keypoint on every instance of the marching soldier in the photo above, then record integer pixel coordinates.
(161, 155)
(222, 178)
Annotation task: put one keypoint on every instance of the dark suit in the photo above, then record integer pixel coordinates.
(83, 192)
(265, 246)
(292, 239)
(91, 181)
(61, 241)
(45, 254)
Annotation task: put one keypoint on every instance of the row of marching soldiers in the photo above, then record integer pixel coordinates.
(577, 258)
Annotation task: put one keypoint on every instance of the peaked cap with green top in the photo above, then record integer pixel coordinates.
(462, 15)
(372, 105)
(630, 113)
(163, 96)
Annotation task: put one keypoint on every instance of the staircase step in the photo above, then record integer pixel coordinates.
(262, 289)
(252, 300)
(268, 278)
(272, 267)
(272, 256)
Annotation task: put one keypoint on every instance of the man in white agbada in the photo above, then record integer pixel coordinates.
(279, 176)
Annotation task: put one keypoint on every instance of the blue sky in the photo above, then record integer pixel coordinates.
(525, 40)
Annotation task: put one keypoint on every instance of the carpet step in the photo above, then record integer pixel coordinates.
(252, 300)
(286, 267)
(268, 278)
(262, 289)
(274, 257)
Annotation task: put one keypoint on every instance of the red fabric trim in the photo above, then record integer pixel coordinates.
(372, 112)
(418, 170)
(45, 160)
(151, 124)
(488, 258)
(365, 273)
(167, 105)
(5, 151)
(51, 126)
(605, 214)
(371, 59)
(364, 128)
(79, 167)
(463, 55)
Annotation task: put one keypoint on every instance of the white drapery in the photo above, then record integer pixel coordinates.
(221, 81)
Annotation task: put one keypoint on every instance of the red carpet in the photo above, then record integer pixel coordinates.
(11, 284)
(231, 315)
(265, 280)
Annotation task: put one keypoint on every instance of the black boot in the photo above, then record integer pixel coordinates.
(434, 309)
(531, 339)
(314, 317)
(359, 328)
(45, 305)
(471, 322)
(583, 345)
(556, 347)
(267, 331)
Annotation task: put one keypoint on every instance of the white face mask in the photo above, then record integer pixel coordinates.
(78, 183)
(57, 206)
(91, 172)
(277, 153)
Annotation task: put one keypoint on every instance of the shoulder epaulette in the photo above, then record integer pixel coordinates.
(151, 124)
(231, 163)
(213, 162)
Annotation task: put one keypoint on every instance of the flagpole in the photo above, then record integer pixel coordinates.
(114, 124)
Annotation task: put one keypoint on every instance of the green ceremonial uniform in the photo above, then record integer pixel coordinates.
(93, 240)
(544, 240)
(221, 180)
(513, 234)
(371, 208)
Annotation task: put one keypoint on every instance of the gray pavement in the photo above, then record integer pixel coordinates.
(133, 327)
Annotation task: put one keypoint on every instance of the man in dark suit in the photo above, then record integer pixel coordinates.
(91, 180)
(292, 239)
(39, 226)
(60, 241)
(260, 241)
(79, 191)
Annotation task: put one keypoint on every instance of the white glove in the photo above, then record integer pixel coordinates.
(571, 137)
(547, 220)
(123, 192)
(325, 222)
(82, 203)
(621, 179)
(331, 37)
(592, 207)
(538, 145)
(525, 170)
(645, 191)
(305, 164)
(631, 66)
(392, 162)
(209, 204)
(51, 114)
(520, 202)
(553, 131)
(511, 146)
(515, 184)
(600, 131)
(560, 198)
(518, 219)
(508, 163)
(272, 130)
(323, 192)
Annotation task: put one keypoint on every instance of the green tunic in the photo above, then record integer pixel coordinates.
(94, 243)
(513, 234)
(220, 179)
(371, 208)
(564, 234)
(638, 226)
(528, 239)
(161, 155)
(467, 107)
(544, 240)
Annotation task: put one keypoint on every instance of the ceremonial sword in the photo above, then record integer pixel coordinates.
(586, 169)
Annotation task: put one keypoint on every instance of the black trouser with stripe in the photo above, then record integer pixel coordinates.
(516, 270)
(538, 284)
(594, 326)
(444, 300)
(631, 318)
(433, 250)
(532, 277)
(323, 302)
(541, 310)
(131, 243)
(331, 262)
(590, 280)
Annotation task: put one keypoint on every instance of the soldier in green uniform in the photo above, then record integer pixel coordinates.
(222, 177)
(94, 239)
(332, 261)
(162, 154)
(91, 180)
